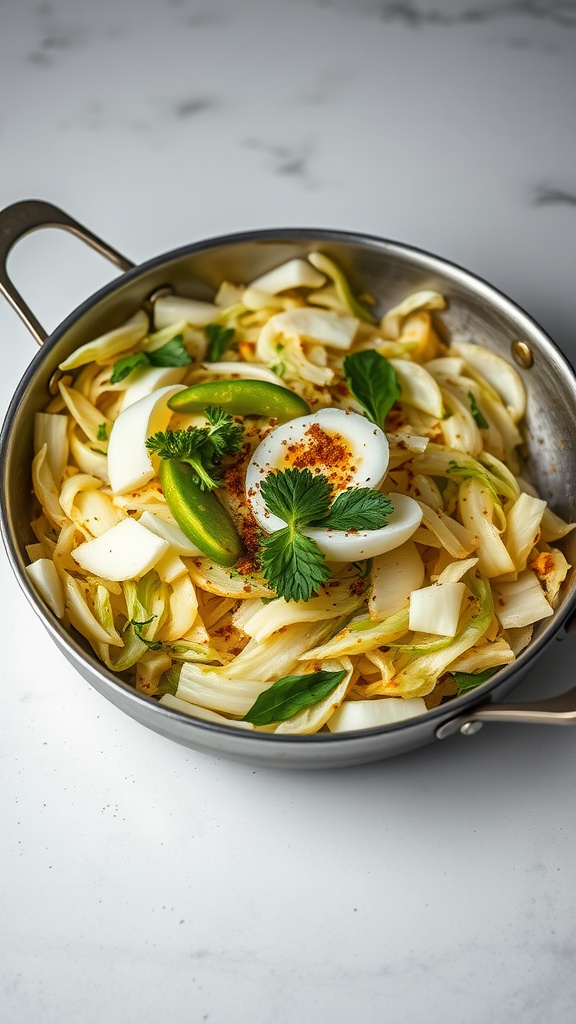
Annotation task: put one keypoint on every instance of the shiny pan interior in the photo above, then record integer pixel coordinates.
(389, 271)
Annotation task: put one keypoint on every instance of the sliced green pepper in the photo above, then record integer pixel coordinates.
(199, 514)
(241, 398)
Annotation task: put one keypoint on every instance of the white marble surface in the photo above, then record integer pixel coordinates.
(141, 881)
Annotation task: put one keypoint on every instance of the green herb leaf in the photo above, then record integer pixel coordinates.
(201, 447)
(476, 414)
(373, 382)
(293, 564)
(123, 367)
(219, 341)
(291, 694)
(297, 496)
(102, 433)
(173, 353)
(466, 681)
(169, 682)
(223, 434)
(152, 645)
(358, 509)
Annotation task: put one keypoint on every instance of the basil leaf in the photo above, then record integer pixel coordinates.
(173, 353)
(466, 681)
(476, 414)
(358, 509)
(373, 382)
(219, 340)
(291, 694)
(122, 367)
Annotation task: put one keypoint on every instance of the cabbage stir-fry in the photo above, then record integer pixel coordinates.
(277, 512)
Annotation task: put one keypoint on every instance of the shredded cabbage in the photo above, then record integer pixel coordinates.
(462, 594)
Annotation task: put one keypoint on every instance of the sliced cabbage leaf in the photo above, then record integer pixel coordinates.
(326, 266)
(107, 346)
(51, 429)
(391, 323)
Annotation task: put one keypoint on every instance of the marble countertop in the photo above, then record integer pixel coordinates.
(143, 880)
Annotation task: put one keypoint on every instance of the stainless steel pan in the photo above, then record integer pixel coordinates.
(385, 269)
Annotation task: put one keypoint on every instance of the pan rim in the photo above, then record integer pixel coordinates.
(456, 706)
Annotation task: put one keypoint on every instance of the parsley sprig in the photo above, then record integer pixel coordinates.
(201, 447)
(292, 563)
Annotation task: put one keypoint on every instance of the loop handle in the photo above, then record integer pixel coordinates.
(30, 215)
(560, 710)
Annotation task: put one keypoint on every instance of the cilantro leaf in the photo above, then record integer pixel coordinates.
(358, 509)
(173, 353)
(296, 495)
(476, 414)
(122, 367)
(373, 382)
(289, 695)
(293, 564)
(466, 681)
(219, 341)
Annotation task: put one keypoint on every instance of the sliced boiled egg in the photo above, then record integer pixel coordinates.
(354, 545)
(351, 452)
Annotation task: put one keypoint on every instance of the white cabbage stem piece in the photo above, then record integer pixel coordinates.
(51, 429)
(436, 609)
(171, 308)
(125, 552)
(520, 602)
(395, 575)
(294, 273)
(353, 715)
(196, 711)
(130, 465)
(44, 575)
(419, 387)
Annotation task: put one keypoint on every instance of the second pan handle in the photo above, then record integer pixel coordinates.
(30, 215)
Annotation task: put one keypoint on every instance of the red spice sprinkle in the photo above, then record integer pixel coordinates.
(323, 452)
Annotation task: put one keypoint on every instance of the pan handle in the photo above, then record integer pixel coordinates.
(560, 710)
(29, 215)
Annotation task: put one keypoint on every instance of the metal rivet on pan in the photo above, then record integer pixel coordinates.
(522, 354)
(161, 293)
(469, 728)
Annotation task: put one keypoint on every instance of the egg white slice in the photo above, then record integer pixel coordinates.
(352, 546)
(365, 466)
(365, 463)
